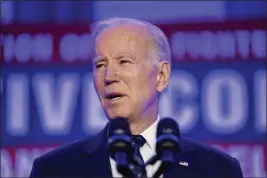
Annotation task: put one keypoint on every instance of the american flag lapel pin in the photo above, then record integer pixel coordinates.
(183, 163)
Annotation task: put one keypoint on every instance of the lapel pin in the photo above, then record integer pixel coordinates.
(183, 163)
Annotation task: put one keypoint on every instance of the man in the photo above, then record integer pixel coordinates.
(131, 67)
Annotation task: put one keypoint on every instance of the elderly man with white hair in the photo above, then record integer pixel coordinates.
(131, 68)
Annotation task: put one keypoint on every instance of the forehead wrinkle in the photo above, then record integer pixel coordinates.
(130, 36)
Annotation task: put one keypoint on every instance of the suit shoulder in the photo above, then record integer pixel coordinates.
(57, 162)
(217, 162)
(207, 151)
(64, 151)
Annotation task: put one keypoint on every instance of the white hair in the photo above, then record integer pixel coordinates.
(161, 43)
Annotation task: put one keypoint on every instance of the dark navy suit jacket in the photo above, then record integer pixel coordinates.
(90, 158)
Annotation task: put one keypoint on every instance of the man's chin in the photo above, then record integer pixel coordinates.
(118, 116)
(113, 115)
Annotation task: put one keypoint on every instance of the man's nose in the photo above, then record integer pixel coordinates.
(111, 74)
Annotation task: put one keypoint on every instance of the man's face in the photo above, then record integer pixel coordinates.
(124, 78)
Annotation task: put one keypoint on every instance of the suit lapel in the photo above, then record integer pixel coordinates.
(97, 152)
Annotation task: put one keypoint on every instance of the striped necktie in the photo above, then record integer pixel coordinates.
(138, 142)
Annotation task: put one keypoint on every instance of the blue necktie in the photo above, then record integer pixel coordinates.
(138, 142)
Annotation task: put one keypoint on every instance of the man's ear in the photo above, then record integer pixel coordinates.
(163, 75)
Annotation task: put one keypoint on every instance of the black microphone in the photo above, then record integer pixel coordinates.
(167, 146)
(120, 145)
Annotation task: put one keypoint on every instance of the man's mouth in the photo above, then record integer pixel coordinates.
(114, 96)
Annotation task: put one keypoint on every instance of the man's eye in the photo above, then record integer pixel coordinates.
(99, 65)
(124, 61)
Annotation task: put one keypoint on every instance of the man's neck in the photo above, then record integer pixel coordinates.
(139, 125)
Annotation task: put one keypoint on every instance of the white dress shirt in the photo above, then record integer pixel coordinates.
(147, 151)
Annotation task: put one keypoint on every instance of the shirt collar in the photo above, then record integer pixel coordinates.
(150, 134)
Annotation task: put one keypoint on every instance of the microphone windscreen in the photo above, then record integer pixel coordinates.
(118, 126)
(119, 137)
(168, 125)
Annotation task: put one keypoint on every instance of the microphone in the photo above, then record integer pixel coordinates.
(167, 146)
(120, 144)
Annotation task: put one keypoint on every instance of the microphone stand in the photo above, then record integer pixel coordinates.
(123, 165)
(167, 159)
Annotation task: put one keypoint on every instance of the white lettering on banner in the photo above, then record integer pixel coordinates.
(6, 164)
(185, 86)
(56, 107)
(68, 44)
(209, 48)
(251, 158)
(8, 47)
(193, 46)
(206, 44)
(239, 152)
(43, 47)
(56, 102)
(258, 162)
(223, 44)
(17, 105)
(260, 100)
(73, 47)
(243, 43)
(237, 105)
(26, 46)
(85, 47)
(258, 43)
(94, 118)
(246, 155)
(24, 158)
(23, 47)
(23, 161)
(178, 45)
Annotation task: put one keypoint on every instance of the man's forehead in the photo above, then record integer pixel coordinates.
(126, 33)
(132, 35)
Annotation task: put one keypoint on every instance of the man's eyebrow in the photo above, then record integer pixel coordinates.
(98, 58)
(125, 54)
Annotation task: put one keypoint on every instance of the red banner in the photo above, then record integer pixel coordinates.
(242, 40)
